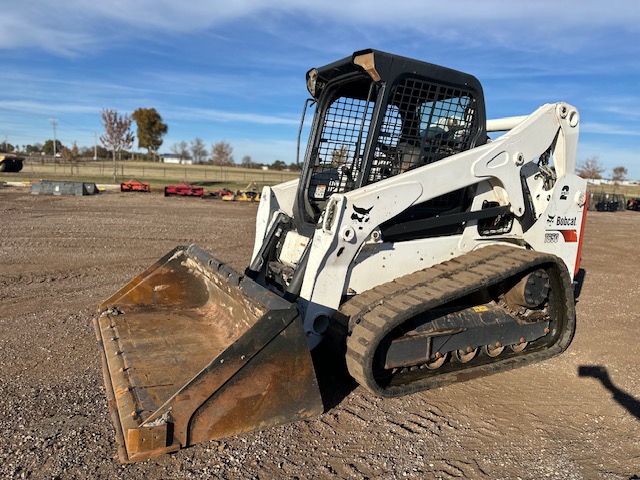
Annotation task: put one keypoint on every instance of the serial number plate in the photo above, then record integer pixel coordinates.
(552, 237)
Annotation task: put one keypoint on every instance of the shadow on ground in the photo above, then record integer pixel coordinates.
(631, 404)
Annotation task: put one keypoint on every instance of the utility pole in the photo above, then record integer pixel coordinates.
(95, 146)
(54, 123)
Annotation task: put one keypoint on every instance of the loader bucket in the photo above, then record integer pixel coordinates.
(193, 351)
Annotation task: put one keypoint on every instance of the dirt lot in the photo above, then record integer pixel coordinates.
(59, 256)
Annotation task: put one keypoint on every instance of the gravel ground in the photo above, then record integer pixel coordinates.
(60, 256)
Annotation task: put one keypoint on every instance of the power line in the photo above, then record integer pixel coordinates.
(75, 127)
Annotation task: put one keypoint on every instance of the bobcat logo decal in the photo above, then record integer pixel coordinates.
(360, 214)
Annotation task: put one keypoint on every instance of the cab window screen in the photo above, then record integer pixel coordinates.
(423, 123)
(341, 146)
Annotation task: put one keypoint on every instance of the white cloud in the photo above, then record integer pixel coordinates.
(71, 26)
(628, 110)
(24, 27)
(608, 129)
(46, 108)
(214, 115)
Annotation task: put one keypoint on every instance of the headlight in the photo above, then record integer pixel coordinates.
(312, 77)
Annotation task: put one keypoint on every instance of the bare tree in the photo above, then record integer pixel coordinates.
(247, 162)
(181, 149)
(198, 150)
(619, 175)
(118, 135)
(71, 155)
(591, 168)
(339, 156)
(221, 154)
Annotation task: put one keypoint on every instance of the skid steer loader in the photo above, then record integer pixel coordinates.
(421, 250)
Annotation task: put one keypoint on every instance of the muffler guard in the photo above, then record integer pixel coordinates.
(193, 351)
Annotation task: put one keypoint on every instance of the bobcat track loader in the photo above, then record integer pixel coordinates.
(421, 251)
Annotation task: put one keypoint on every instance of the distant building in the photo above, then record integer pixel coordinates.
(606, 181)
(173, 158)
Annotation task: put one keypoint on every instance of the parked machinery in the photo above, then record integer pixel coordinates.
(10, 162)
(183, 189)
(134, 185)
(633, 204)
(606, 202)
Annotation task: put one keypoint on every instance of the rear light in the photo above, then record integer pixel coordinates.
(581, 238)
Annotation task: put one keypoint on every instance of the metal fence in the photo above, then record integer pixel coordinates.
(103, 169)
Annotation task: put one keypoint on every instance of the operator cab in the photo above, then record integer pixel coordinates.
(379, 115)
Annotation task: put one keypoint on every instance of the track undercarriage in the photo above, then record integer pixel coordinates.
(490, 310)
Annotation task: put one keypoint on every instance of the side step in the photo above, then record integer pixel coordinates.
(193, 351)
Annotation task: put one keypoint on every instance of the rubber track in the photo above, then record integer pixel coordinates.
(376, 312)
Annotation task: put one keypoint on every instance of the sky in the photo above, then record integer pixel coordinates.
(235, 71)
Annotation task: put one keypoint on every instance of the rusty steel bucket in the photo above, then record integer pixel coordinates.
(193, 351)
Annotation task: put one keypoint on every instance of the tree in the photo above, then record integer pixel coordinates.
(150, 130)
(97, 151)
(278, 165)
(198, 150)
(86, 151)
(118, 135)
(221, 154)
(47, 148)
(619, 175)
(247, 162)
(35, 148)
(590, 168)
(71, 155)
(339, 156)
(181, 149)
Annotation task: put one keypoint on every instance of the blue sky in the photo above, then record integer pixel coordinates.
(235, 71)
